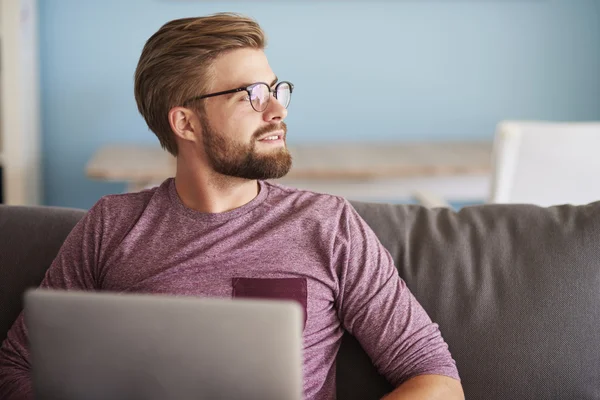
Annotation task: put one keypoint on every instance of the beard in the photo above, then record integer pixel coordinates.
(242, 160)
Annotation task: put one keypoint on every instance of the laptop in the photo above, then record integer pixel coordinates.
(99, 345)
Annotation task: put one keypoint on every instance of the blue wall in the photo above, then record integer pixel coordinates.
(363, 70)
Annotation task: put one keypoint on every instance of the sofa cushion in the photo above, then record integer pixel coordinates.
(30, 238)
(514, 288)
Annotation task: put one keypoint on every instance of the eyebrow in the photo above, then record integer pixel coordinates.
(248, 84)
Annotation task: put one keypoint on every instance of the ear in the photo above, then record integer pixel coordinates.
(184, 123)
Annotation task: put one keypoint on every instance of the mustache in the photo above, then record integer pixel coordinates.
(270, 128)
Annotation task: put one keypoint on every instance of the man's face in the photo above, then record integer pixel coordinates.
(239, 141)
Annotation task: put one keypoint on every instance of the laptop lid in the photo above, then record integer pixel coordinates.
(99, 345)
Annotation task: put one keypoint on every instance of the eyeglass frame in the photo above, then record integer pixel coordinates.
(248, 90)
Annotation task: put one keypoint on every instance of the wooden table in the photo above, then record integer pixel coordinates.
(353, 170)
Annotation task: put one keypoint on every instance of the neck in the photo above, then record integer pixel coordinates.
(202, 189)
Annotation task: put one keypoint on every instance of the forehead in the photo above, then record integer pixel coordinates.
(240, 67)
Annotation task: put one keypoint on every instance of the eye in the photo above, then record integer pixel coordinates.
(245, 97)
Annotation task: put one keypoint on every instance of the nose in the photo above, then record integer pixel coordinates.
(275, 111)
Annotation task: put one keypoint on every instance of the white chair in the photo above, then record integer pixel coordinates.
(543, 163)
(546, 163)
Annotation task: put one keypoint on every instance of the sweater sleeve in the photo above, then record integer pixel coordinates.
(376, 307)
(74, 268)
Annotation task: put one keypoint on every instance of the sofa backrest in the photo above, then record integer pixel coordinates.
(30, 238)
(515, 290)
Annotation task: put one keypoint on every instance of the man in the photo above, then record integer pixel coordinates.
(205, 88)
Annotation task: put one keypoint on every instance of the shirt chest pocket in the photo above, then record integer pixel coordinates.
(294, 289)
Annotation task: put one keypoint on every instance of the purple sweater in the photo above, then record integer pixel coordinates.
(309, 247)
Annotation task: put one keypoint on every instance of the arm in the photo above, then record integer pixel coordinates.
(375, 305)
(428, 387)
(73, 268)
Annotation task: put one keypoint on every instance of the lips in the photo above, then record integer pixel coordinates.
(271, 136)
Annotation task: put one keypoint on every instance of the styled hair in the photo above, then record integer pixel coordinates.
(176, 61)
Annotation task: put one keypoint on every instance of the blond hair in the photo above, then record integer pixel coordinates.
(175, 64)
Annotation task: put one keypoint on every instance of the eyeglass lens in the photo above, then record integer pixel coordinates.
(260, 95)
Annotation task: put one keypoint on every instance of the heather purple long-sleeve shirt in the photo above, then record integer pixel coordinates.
(331, 261)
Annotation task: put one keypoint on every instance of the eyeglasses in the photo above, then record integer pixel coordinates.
(259, 94)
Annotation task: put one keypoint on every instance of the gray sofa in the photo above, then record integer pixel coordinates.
(514, 288)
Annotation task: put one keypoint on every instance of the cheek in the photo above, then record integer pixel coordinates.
(243, 127)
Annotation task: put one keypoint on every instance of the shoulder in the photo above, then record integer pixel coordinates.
(317, 204)
(122, 209)
(329, 212)
(127, 204)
